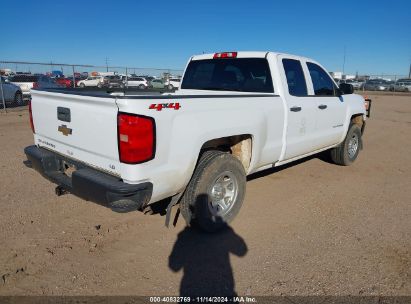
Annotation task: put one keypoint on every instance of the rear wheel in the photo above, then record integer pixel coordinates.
(346, 153)
(215, 193)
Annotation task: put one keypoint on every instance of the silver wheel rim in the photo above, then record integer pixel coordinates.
(353, 146)
(223, 193)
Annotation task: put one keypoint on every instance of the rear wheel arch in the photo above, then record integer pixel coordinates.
(240, 146)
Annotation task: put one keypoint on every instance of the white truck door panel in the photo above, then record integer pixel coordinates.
(331, 109)
(301, 111)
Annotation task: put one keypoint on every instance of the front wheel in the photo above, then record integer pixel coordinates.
(170, 87)
(215, 193)
(141, 87)
(347, 152)
(82, 85)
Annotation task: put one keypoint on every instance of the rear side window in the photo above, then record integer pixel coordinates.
(237, 74)
(295, 77)
(323, 85)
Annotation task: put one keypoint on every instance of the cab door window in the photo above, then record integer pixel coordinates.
(295, 77)
(322, 83)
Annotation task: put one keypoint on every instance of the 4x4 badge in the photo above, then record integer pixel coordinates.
(66, 131)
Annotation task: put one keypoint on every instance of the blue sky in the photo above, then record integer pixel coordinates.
(163, 34)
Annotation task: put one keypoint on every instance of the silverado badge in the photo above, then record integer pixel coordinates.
(66, 131)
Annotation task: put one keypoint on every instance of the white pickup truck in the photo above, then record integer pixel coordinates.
(236, 113)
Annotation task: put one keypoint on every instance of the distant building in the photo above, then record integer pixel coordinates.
(336, 75)
(340, 75)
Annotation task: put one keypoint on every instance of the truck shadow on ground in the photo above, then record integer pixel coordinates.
(323, 156)
(204, 259)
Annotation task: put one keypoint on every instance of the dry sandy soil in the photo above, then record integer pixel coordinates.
(312, 228)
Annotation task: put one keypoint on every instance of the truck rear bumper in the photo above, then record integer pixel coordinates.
(89, 183)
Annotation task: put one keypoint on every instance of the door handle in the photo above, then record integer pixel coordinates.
(295, 109)
(322, 107)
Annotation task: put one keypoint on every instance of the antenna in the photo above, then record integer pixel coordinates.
(107, 60)
(343, 69)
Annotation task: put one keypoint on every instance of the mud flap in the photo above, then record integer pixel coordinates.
(174, 201)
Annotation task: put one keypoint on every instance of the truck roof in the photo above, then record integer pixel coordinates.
(245, 54)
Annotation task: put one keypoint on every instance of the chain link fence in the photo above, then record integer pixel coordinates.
(379, 82)
(18, 77)
(390, 83)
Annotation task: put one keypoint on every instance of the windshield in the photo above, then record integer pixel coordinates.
(237, 74)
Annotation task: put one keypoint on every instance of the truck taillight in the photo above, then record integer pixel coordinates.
(31, 117)
(136, 138)
(35, 85)
(225, 55)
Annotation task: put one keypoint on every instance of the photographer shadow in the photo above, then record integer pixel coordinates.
(204, 259)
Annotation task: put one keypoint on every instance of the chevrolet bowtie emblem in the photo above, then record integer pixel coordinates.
(66, 131)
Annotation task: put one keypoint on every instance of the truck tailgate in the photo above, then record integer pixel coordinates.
(78, 127)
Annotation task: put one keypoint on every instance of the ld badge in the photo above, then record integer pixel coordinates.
(66, 131)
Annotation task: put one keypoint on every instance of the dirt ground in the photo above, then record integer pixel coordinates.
(312, 228)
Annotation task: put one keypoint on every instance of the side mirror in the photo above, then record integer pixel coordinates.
(346, 88)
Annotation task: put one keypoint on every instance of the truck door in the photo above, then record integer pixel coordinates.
(331, 109)
(301, 109)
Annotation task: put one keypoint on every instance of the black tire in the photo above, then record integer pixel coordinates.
(196, 204)
(170, 87)
(99, 85)
(82, 85)
(340, 155)
(141, 87)
(18, 98)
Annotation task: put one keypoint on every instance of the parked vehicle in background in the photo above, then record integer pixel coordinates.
(376, 85)
(235, 114)
(113, 81)
(139, 82)
(401, 85)
(157, 84)
(27, 82)
(355, 83)
(67, 82)
(173, 83)
(57, 74)
(149, 78)
(11, 92)
(91, 81)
